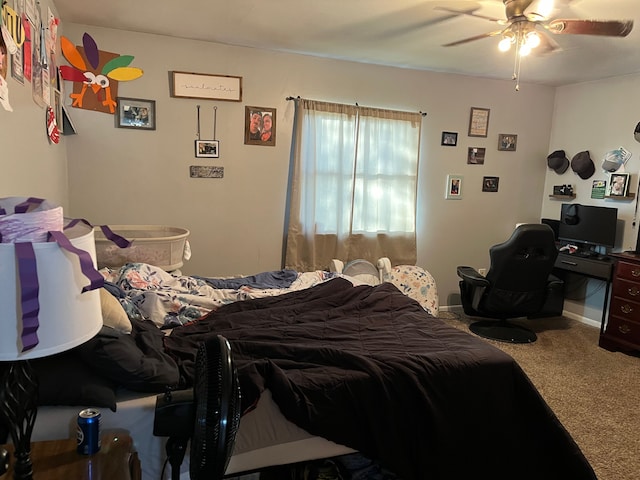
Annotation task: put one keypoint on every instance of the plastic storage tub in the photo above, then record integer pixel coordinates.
(158, 245)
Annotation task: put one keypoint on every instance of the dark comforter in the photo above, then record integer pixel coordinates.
(368, 368)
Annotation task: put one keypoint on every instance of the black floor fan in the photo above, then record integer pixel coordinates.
(208, 414)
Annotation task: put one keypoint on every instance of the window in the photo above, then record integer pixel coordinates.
(354, 182)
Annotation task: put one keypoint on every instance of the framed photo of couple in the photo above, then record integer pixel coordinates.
(260, 126)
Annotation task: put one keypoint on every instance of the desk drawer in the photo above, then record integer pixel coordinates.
(629, 290)
(630, 271)
(585, 266)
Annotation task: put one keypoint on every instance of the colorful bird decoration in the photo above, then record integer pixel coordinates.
(100, 80)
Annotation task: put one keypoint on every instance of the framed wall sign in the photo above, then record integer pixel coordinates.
(136, 113)
(207, 86)
(479, 122)
(205, 171)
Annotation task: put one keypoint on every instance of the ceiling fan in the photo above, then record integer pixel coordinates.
(527, 24)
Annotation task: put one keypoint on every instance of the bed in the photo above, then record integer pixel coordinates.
(328, 365)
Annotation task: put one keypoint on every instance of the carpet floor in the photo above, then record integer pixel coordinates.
(595, 393)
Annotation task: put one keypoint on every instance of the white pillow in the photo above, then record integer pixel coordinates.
(113, 314)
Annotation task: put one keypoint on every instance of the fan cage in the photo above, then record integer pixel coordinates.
(217, 410)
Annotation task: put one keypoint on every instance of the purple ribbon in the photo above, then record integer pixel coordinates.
(29, 289)
(96, 280)
(28, 271)
(23, 207)
(108, 233)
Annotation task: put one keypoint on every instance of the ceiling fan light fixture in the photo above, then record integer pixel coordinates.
(532, 40)
(505, 44)
(524, 50)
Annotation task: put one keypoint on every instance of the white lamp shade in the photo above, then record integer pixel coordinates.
(67, 317)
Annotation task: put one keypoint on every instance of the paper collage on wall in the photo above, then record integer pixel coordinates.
(28, 46)
(97, 71)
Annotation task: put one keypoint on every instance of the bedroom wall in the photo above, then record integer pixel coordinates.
(598, 117)
(123, 176)
(29, 164)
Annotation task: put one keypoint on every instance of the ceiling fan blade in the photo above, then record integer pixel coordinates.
(472, 39)
(470, 14)
(612, 28)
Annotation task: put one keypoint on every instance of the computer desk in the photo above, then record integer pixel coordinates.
(600, 268)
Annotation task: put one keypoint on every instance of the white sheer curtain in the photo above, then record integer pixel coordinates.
(352, 191)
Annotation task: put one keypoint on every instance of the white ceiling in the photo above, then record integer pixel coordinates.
(402, 33)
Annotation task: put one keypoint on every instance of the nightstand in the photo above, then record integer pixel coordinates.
(57, 459)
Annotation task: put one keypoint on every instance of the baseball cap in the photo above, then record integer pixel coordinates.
(558, 161)
(636, 132)
(614, 159)
(582, 164)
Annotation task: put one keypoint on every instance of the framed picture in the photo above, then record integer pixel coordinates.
(208, 148)
(207, 86)
(507, 142)
(490, 184)
(449, 139)
(259, 126)
(454, 187)
(136, 113)
(479, 122)
(619, 185)
(475, 155)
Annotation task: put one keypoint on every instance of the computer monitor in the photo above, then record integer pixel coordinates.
(554, 224)
(588, 225)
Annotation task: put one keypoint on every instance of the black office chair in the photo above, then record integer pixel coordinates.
(518, 283)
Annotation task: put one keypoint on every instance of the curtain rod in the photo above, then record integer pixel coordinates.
(424, 114)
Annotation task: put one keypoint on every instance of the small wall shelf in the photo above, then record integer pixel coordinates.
(627, 197)
(563, 197)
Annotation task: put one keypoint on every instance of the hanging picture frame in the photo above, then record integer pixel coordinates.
(136, 113)
(260, 126)
(475, 155)
(207, 149)
(507, 142)
(479, 122)
(454, 187)
(449, 139)
(490, 184)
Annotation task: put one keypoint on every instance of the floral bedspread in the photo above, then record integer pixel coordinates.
(149, 293)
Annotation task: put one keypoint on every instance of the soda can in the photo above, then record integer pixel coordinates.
(88, 432)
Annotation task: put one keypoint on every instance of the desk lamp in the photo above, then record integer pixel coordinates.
(42, 312)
